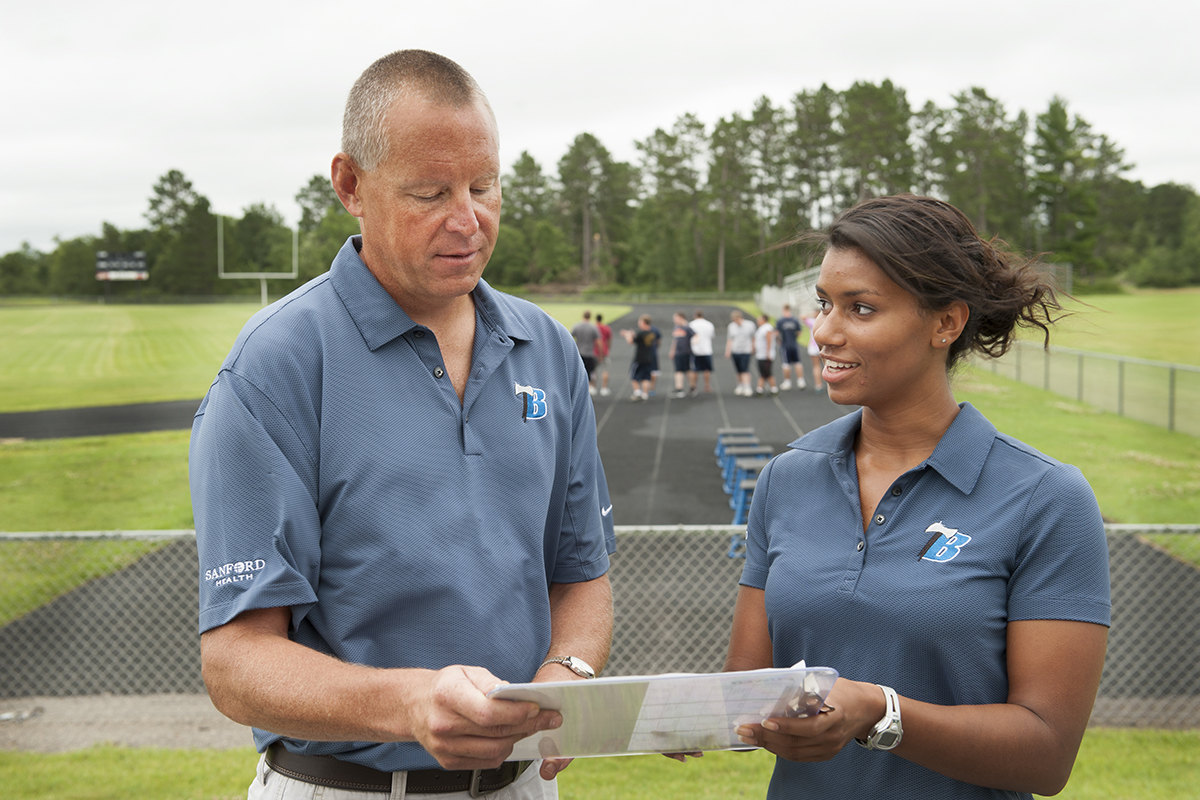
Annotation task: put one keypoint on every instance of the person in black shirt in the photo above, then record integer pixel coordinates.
(644, 341)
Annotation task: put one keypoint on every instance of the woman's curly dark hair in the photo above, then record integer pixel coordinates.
(931, 250)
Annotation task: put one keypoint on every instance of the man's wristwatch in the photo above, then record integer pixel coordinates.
(576, 665)
(887, 732)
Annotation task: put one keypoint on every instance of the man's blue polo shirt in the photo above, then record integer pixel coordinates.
(334, 471)
(985, 531)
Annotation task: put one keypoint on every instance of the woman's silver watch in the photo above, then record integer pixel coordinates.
(888, 732)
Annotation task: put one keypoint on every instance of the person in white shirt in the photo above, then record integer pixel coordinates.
(739, 345)
(703, 332)
(766, 341)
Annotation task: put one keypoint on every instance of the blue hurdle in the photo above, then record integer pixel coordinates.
(733, 453)
(743, 468)
(737, 545)
(734, 440)
(742, 497)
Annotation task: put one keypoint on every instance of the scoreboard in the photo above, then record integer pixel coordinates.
(121, 266)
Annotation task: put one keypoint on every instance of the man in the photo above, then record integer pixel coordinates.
(681, 354)
(789, 329)
(655, 371)
(364, 474)
(603, 348)
(586, 335)
(765, 340)
(739, 346)
(645, 343)
(702, 349)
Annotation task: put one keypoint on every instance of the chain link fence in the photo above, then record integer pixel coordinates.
(1157, 392)
(134, 631)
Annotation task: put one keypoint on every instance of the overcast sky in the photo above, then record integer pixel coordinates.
(245, 98)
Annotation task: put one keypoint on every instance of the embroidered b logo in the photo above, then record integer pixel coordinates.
(534, 402)
(946, 545)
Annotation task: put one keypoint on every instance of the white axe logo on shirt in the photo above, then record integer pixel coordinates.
(533, 402)
(945, 544)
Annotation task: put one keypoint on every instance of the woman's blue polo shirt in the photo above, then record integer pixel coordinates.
(334, 471)
(985, 531)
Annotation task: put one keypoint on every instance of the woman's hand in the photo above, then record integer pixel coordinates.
(850, 711)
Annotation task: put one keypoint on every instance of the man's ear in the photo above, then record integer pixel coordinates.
(949, 323)
(344, 174)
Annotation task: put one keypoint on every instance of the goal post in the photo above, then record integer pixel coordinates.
(261, 277)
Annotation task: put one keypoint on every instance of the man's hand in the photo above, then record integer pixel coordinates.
(555, 672)
(456, 722)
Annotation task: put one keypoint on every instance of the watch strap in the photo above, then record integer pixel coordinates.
(573, 663)
(886, 733)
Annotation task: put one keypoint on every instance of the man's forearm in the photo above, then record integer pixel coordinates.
(581, 620)
(257, 676)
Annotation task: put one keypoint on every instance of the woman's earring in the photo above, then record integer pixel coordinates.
(943, 341)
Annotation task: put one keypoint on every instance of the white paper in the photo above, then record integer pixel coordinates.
(664, 713)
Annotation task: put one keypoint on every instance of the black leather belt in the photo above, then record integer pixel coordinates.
(329, 771)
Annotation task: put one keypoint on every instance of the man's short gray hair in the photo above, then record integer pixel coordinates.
(434, 77)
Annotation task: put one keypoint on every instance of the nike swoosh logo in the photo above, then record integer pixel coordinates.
(604, 512)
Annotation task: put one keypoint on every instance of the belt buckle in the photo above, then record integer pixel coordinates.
(473, 786)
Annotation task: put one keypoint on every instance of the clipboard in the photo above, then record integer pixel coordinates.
(642, 714)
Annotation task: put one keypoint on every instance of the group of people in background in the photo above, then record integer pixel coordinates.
(691, 353)
(763, 342)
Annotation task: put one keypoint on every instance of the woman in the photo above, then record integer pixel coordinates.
(814, 351)
(739, 345)
(766, 340)
(911, 546)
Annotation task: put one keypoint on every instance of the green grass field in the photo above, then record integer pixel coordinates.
(69, 355)
(66, 356)
(1139, 472)
(1155, 325)
(1126, 764)
(72, 355)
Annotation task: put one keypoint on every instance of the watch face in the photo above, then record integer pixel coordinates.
(580, 667)
(887, 740)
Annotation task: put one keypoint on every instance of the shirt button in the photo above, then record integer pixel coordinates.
(420, 334)
(438, 372)
(896, 490)
(880, 519)
(860, 545)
